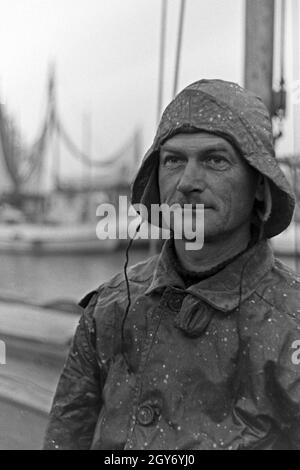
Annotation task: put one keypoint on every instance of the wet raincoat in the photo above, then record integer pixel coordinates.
(212, 366)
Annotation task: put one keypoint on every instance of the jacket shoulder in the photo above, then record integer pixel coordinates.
(285, 272)
(84, 302)
(139, 274)
(283, 290)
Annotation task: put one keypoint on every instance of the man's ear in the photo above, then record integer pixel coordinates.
(260, 190)
(263, 195)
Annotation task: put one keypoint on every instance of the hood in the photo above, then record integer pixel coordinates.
(228, 110)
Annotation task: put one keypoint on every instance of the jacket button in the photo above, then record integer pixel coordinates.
(146, 415)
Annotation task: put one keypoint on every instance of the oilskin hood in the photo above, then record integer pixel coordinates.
(229, 111)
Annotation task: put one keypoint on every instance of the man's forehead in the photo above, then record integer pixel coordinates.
(198, 140)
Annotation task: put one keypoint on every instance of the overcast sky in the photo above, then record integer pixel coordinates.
(106, 56)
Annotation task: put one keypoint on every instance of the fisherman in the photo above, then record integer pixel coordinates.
(195, 349)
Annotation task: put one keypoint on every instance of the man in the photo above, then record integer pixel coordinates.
(204, 353)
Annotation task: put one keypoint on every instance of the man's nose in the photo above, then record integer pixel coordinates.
(192, 179)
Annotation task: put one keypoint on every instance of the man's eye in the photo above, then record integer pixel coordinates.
(172, 161)
(218, 162)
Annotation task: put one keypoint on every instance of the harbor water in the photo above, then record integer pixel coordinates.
(70, 277)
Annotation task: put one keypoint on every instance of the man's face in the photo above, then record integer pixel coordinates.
(203, 168)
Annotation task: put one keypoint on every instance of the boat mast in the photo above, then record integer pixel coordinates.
(153, 246)
(296, 111)
(179, 45)
(259, 46)
(86, 148)
(296, 74)
(161, 68)
(54, 125)
(259, 51)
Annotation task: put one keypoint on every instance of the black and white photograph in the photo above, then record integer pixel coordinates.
(150, 227)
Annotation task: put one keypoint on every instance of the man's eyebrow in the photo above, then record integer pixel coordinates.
(169, 148)
(209, 148)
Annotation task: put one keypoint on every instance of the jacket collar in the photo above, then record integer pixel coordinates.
(225, 289)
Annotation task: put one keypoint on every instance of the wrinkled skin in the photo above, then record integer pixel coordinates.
(227, 110)
(204, 168)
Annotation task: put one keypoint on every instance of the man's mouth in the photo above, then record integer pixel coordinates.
(203, 207)
(192, 206)
(189, 205)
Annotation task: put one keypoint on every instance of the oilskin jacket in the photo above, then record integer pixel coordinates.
(213, 366)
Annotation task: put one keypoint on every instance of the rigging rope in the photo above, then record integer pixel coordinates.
(21, 163)
(83, 157)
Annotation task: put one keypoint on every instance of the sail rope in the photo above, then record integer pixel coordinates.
(21, 162)
(84, 157)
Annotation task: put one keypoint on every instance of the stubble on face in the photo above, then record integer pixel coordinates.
(206, 169)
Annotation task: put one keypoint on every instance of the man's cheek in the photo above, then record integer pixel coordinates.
(163, 192)
(162, 185)
(167, 189)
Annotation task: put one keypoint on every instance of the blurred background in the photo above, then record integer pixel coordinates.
(82, 87)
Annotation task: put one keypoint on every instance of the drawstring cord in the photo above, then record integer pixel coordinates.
(128, 297)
